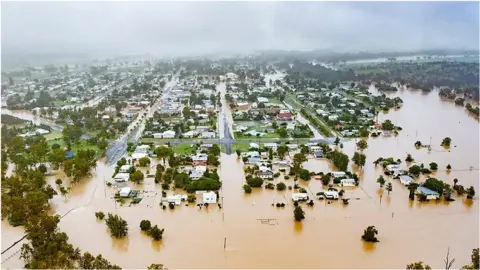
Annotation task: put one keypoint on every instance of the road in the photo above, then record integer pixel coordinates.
(118, 148)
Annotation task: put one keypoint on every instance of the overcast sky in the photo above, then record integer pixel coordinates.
(163, 28)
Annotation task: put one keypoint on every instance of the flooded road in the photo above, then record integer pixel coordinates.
(329, 237)
(28, 116)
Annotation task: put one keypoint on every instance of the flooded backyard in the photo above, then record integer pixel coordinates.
(249, 233)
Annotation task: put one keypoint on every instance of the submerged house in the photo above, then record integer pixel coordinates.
(209, 197)
(405, 180)
(428, 193)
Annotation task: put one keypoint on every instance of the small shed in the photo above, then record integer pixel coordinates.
(338, 174)
(125, 191)
(209, 197)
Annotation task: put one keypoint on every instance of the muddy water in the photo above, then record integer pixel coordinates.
(329, 237)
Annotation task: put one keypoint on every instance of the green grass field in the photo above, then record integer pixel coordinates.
(53, 135)
(81, 145)
(183, 149)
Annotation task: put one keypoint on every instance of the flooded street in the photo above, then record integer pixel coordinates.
(330, 235)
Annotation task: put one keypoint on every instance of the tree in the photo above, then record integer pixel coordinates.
(337, 141)
(388, 125)
(389, 187)
(102, 145)
(58, 181)
(282, 132)
(270, 154)
(145, 225)
(137, 177)
(304, 174)
(359, 159)
(449, 167)
(470, 192)
(475, 260)
(281, 186)
(156, 233)
(247, 188)
(155, 266)
(362, 144)
(339, 159)
(99, 215)
(418, 144)
(118, 226)
(418, 266)
(409, 158)
(433, 166)
(415, 170)
(163, 152)
(446, 142)
(191, 198)
(281, 151)
(254, 181)
(435, 185)
(212, 160)
(369, 234)
(298, 213)
(381, 180)
(144, 161)
(412, 187)
(238, 152)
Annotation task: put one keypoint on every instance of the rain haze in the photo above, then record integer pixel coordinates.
(168, 28)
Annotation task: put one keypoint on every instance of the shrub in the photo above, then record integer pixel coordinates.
(433, 166)
(281, 186)
(277, 174)
(191, 198)
(254, 181)
(99, 215)
(369, 234)
(58, 181)
(270, 186)
(302, 190)
(298, 213)
(118, 226)
(289, 187)
(247, 189)
(156, 233)
(145, 225)
(286, 177)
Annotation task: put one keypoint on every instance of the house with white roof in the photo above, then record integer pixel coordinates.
(209, 197)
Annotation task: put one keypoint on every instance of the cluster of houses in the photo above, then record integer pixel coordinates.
(397, 172)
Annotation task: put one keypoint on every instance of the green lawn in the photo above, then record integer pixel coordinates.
(275, 100)
(81, 145)
(53, 135)
(243, 146)
(183, 149)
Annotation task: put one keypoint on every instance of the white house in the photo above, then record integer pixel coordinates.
(429, 194)
(299, 197)
(208, 135)
(121, 177)
(349, 182)
(125, 191)
(406, 180)
(176, 199)
(169, 134)
(195, 175)
(290, 126)
(124, 168)
(189, 134)
(157, 135)
(392, 168)
(42, 131)
(254, 145)
(331, 195)
(209, 197)
(338, 174)
(272, 146)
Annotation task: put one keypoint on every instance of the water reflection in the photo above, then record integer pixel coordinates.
(120, 244)
(369, 247)
(298, 226)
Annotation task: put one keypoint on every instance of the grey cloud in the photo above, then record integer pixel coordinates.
(196, 27)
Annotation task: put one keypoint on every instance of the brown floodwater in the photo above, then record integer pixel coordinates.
(329, 237)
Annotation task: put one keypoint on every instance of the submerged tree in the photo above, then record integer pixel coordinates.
(118, 226)
(298, 213)
(145, 225)
(381, 180)
(156, 233)
(418, 266)
(389, 187)
(369, 234)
